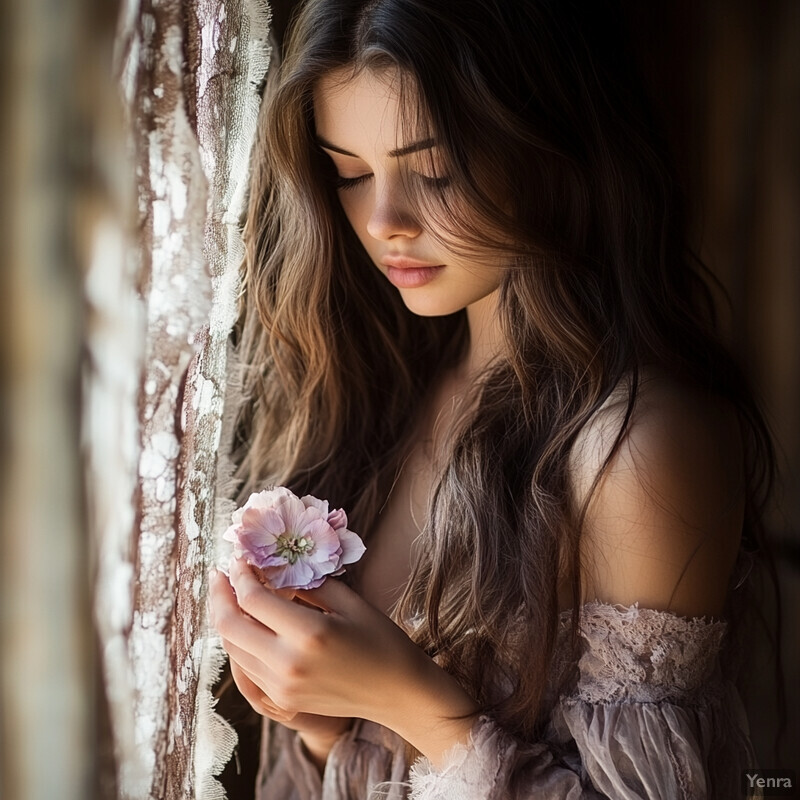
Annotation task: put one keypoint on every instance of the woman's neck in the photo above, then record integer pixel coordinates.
(485, 336)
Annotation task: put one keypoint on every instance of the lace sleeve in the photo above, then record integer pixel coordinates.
(650, 717)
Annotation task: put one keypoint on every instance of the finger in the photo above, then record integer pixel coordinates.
(264, 670)
(255, 696)
(256, 691)
(230, 621)
(254, 679)
(242, 564)
(247, 686)
(333, 596)
(269, 709)
(278, 613)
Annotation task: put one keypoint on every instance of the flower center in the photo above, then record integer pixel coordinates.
(292, 547)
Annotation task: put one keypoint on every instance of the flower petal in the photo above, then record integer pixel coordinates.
(254, 544)
(231, 534)
(352, 546)
(272, 559)
(259, 556)
(291, 509)
(311, 525)
(310, 515)
(260, 528)
(268, 498)
(323, 568)
(337, 519)
(296, 576)
(266, 520)
(309, 501)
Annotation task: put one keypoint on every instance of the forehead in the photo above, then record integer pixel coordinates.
(366, 108)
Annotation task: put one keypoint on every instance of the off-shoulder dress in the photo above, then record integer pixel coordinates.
(649, 714)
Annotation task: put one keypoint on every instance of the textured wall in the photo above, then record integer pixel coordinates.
(124, 160)
(189, 72)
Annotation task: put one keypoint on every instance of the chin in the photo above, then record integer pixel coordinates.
(431, 306)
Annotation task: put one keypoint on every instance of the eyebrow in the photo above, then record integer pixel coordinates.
(415, 147)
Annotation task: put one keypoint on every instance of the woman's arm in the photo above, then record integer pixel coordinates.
(664, 523)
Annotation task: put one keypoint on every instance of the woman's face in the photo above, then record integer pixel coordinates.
(358, 126)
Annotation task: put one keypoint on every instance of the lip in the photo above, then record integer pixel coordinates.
(404, 262)
(409, 273)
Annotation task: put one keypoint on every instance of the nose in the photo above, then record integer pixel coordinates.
(392, 214)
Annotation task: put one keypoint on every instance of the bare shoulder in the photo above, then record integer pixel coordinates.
(663, 524)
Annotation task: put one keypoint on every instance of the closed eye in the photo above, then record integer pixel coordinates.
(434, 183)
(351, 183)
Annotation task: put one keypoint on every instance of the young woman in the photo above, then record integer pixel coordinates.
(472, 322)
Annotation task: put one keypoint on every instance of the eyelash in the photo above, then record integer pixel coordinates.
(351, 183)
(435, 183)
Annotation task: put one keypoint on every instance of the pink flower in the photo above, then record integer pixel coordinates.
(294, 542)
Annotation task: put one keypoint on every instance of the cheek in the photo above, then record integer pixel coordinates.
(356, 210)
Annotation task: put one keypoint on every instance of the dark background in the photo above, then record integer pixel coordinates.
(725, 75)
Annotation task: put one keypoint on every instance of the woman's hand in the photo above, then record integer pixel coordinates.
(333, 654)
(312, 725)
(336, 656)
(317, 733)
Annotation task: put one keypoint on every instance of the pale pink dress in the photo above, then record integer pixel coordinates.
(648, 715)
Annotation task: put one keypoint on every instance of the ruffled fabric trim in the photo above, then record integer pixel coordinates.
(469, 770)
(495, 766)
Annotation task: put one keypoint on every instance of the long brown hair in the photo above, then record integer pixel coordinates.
(534, 103)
